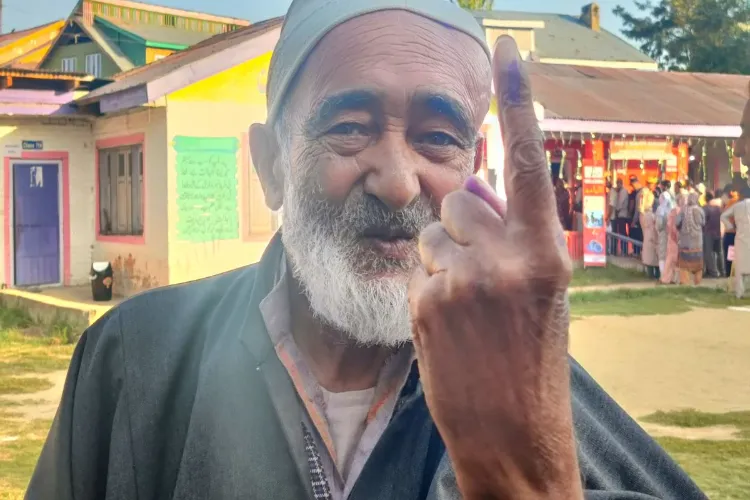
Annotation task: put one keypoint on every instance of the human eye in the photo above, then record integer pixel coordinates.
(348, 129)
(438, 139)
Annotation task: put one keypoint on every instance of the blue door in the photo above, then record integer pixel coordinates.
(36, 221)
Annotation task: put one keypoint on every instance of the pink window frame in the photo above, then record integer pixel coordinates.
(62, 157)
(117, 142)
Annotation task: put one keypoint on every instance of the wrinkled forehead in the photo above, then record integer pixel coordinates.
(395, 55)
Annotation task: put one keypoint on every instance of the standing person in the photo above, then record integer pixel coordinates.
(701, 189)
(650, 251)
(578, 208)
(671, 271)
(662, 230)
(677, 191)
(635, 231)
(619, 208)
(359, 359)
(713, 252)
(737, 217)
(690, 221)
(562, 196)
(733, 196)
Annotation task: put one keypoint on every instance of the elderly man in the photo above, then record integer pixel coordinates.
(404, 337)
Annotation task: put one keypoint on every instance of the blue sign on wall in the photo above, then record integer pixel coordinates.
(32, 145)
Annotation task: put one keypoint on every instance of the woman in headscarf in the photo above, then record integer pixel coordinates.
(662, 217)
(690, 221)
(649, 252)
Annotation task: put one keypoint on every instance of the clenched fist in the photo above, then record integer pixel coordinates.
(490, 318)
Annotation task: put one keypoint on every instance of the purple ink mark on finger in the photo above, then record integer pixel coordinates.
(513, 95)
(477, 187)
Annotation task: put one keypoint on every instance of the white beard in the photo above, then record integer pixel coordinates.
(372, 311)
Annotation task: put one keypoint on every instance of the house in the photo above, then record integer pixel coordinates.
(126, 173)
(103, 38)
(47, 148)
(26, 48)
(564, 39)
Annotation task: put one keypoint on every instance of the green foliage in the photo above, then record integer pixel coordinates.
(475, 4)
(710, 36)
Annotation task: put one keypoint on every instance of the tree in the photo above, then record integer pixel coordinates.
(475, 4)
(692, 35)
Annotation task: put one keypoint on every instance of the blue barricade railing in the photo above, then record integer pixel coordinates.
(619, 244)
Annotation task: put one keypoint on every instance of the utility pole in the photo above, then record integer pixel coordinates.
(1, 17)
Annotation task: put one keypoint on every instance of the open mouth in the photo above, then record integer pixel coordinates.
(394, 243)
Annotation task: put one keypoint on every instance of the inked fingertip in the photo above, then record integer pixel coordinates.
(478, 187)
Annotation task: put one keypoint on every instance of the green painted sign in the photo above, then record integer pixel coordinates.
(207, 207)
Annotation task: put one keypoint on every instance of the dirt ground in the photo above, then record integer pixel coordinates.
(699, 359)
(43, 404)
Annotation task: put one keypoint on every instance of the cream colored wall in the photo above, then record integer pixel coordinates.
(643, 66)
(73, 137)
(224, 105)
(140, 266)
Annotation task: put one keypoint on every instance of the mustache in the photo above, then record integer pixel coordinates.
(366, 215)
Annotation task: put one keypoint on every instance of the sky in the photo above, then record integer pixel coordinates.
(21, 14)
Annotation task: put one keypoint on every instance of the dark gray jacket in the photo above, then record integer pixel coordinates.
(178, 394)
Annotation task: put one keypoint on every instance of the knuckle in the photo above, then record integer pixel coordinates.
(526, 154)
(554, 271)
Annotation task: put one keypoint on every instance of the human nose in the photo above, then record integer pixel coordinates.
(391, 175)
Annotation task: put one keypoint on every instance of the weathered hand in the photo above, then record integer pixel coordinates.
(490, 318)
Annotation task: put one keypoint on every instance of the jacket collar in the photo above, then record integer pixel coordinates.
(254, 334)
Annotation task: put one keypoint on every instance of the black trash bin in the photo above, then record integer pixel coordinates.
(101, 281)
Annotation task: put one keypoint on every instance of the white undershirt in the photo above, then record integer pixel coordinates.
(347, 414)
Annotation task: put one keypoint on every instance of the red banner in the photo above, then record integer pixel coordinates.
(594, 210)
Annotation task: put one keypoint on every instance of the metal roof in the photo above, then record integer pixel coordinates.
(157, 69)
(163, 9)
(567, 37)
(8, 38)
(160, 34)
(629, 95)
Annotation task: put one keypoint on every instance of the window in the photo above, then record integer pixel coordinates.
(170, 20)
(126, 14)
(205, 26)
(194, 25)
(69, 64)
(121, 191)
(94, 65)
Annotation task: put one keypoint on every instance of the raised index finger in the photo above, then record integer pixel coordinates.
(527, 180)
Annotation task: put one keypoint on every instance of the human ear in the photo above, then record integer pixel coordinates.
(264, 150)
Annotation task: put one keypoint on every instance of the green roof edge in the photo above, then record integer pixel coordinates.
(167, 46)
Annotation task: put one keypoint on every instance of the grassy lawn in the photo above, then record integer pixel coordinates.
(602, 276)
(650, 301)
(27, 352)
(719, 467)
